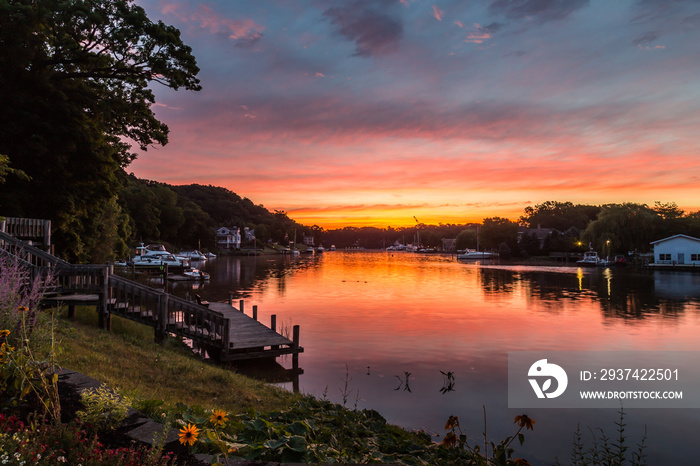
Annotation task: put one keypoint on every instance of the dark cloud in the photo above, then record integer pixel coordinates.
(369, 24)
(691, 23)
(544, 10)
(646, 38)
(493, 27)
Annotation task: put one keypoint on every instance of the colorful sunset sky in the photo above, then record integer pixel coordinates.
(373, 112)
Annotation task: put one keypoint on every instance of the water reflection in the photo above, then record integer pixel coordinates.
(423, 337)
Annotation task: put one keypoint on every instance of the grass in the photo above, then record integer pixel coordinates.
(129, 360)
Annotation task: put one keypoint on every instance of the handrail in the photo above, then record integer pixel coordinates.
(28, 249)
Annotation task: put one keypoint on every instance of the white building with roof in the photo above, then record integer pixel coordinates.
(677, 250)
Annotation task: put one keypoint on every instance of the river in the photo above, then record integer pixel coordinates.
(422, 337)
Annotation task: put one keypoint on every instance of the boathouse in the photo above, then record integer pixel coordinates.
(677, 250)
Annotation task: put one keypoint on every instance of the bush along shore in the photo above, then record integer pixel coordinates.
(126, 401)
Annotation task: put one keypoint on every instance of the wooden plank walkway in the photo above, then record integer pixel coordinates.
(249, 338)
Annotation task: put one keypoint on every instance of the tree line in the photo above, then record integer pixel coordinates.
(610, 229)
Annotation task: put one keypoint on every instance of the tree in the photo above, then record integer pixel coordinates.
(497, 230)
(73, 91)
(559, 215)
(466, 239)
(622, 228)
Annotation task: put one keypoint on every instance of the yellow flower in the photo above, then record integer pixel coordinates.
(23, 309)
(188, 435)
(524, 421)
(218, 418)
(4, 333)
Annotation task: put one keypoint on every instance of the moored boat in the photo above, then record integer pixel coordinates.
(591, 259)
(473, 254)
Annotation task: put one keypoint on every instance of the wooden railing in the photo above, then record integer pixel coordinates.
(27, 228)
(97, 285)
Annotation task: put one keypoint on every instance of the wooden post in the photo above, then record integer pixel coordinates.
(104, 318)
(240, 303)
(230, 298)
(161, 326)
(295, 344)
(255, 312)
(273, 326)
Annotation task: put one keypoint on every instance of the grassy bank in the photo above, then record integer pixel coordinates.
(128, 359)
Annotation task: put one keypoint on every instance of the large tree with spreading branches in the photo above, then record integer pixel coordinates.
(74, 97)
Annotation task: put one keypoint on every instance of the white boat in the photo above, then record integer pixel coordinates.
(194, 255)
(155, 258)
(473, 254)
(320, 249)
(211, 255)
(591, 259)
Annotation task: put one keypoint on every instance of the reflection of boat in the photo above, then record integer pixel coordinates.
(473, 254)
(196, 274)
(591, 259)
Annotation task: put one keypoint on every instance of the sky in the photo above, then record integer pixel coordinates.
(387, 112)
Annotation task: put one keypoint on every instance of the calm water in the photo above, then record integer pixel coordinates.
(378, 316)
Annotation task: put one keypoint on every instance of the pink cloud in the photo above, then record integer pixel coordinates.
(479, 35)
(206, 18)
(437, 13)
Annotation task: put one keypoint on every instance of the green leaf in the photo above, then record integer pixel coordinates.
(274, 444)
(521, 438)
(297, 444)
(298, 428)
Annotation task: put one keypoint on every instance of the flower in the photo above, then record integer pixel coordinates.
(188, 435)
(524, 421)
(452, 422)
(4, 333)
(218, 418)
(23, 309)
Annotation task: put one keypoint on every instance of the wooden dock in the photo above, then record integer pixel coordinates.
(226, 333)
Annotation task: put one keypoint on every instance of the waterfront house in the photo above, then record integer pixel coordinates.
(228, 238)
(677, 250)
(539, 233)
(309, 240)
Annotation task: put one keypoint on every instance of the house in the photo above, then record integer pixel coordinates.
(677, 250)
(539, 233)
(309, 240)
(228, 238)
(449, 244)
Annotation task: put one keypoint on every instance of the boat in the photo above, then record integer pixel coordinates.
(332, 247)
(591, 259)
(473, 254)
(194, 255)
(155, 258)
(211, 255)
(320, 249)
